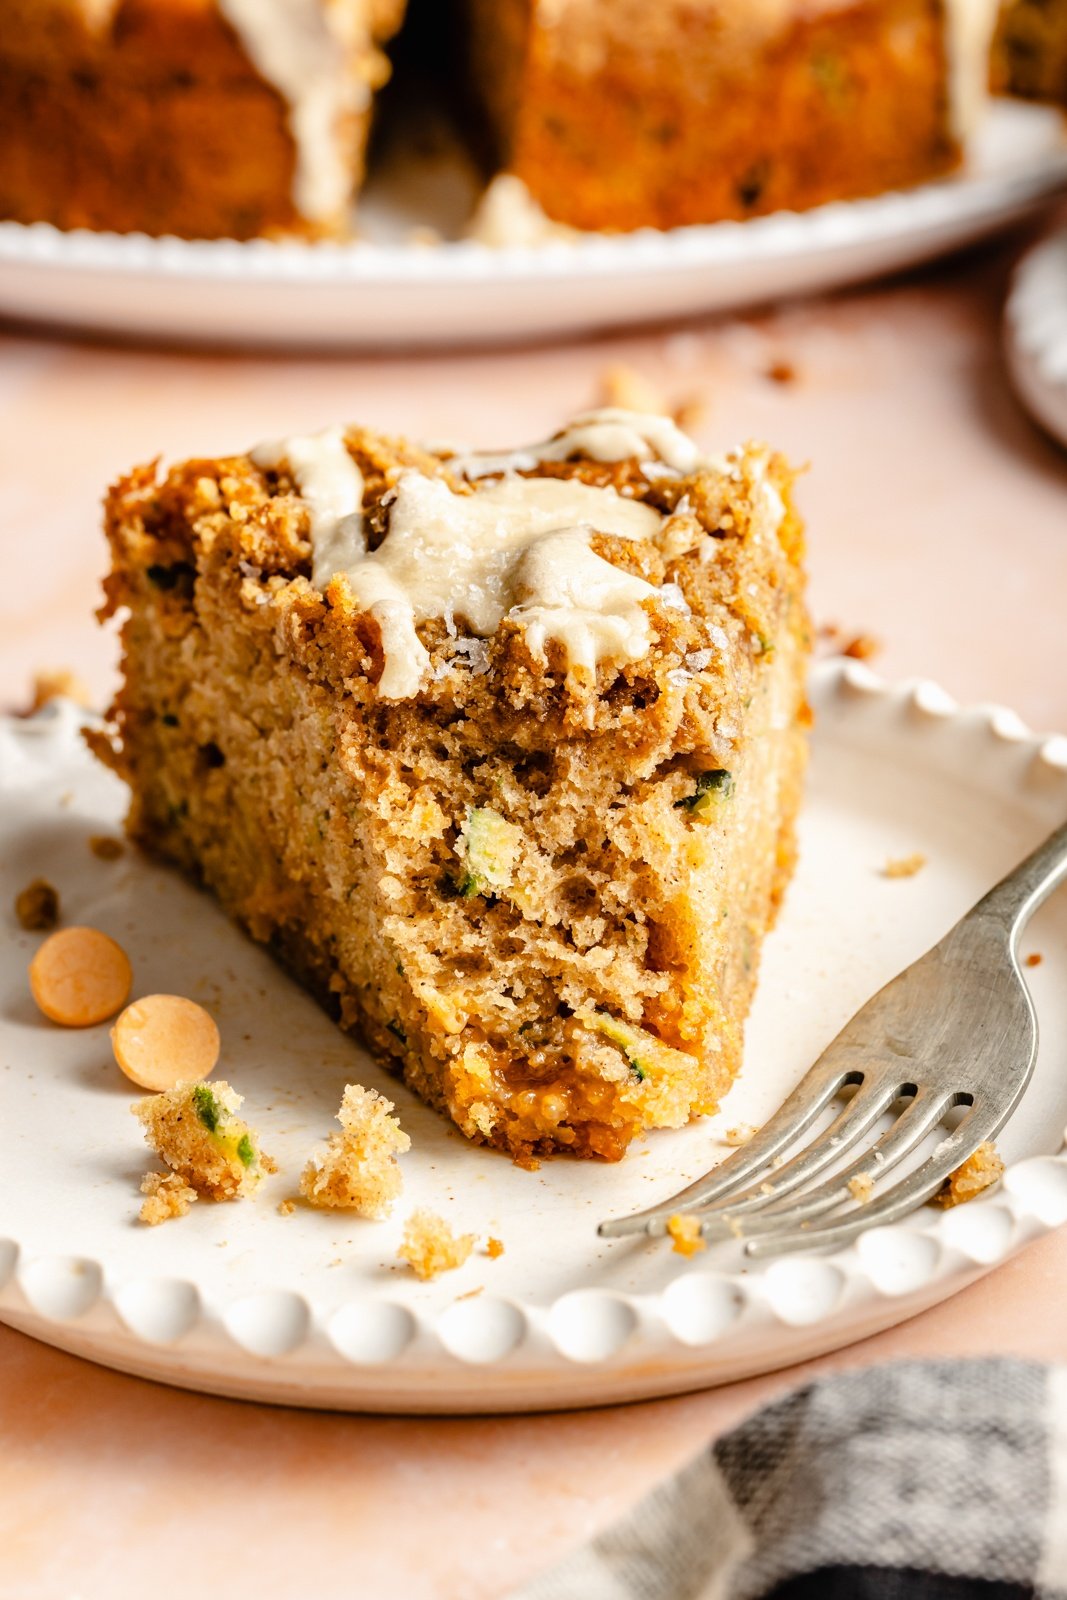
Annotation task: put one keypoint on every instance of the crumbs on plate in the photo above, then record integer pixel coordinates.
(904, 866)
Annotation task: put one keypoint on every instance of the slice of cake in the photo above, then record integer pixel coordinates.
(499, 753)
(616, 114)
(202, 118)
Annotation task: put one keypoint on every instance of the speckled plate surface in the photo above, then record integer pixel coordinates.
(312, 1308)
(386, 289)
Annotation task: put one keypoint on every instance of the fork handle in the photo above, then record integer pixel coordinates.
(1013, 901)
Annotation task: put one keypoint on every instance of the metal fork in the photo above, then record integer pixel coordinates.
(957, 1028)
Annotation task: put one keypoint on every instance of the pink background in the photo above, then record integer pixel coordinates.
(937, 519)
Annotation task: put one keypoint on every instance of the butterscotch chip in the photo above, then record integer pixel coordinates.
(37, 907)
(80, 977)
(163, 1040)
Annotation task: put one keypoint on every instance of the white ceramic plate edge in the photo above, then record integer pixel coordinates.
(400, 295)
(589, 1346)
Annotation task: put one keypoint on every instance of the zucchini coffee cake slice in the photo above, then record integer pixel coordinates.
(500, 754)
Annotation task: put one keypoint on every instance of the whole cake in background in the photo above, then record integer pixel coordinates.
(501, 754)
(238, 118)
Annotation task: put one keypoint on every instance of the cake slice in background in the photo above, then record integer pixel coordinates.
(617, 114)
(202, 118)
(1030, 53)
(501, 754)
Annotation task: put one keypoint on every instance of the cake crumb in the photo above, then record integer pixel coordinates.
(195, 1129)
(623, 386)
(781, 371)
(429, 1246)
(689, 413)
(494, 1247)
(57, 683)
(740, 1134)
(166, 1195)
(527, 1162)
(980, 1171)
(686, 1237)
(862, 647)
(904, 866)
(106, 847)
(358, 1170)
(1034, 959)
(286, 1207)
(37, 906)
(861, 1187)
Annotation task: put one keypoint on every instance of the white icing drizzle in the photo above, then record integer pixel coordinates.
(610, 434)
(518, 548)
(302, 48)
(331, 486)
(969, 29)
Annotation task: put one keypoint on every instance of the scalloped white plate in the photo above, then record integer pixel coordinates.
(1035, 332)
(311, 1308)
(382, 292)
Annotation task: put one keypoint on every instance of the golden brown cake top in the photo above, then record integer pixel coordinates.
(609, 567)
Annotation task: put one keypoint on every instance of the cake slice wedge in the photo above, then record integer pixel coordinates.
(499, 753)
(202, 118)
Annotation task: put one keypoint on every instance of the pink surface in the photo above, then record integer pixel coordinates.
(937, 524)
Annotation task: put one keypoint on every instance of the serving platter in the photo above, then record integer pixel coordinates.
(391, 289)
(313, 1308)
(1035, 333)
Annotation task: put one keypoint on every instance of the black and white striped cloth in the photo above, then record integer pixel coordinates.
(918, 1481)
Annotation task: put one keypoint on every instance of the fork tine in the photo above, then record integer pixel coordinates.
(923, 1112)
(903, 1197)
(794, 1118)
(855, 1119)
